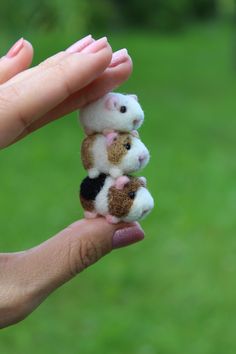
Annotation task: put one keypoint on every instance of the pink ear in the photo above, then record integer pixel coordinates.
(121, 182)
(134, 133)
(134, 96)
(110, 137)
(111, 102)
(143, 180)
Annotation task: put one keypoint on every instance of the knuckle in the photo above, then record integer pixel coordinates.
(84, 255)
(15, 91)
(10, 103)
(4, 101)
(61, 71)
(12, 98)
(49, 62)
(8, 94)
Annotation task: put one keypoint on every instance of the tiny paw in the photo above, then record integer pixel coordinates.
(112, 219)
(90, 214)
(88, 131)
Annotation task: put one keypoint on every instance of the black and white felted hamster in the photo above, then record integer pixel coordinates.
(123, 199)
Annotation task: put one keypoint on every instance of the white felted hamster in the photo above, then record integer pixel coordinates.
(123, 199)
(114, 111)
(114, 154)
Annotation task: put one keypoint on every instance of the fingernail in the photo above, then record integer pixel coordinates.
(81, 44)
(15, 49)
(127, 236)
(119, 57)
(96, 46)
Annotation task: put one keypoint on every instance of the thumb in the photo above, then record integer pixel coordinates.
(44, 268)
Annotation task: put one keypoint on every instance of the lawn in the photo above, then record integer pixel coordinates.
(175, 292)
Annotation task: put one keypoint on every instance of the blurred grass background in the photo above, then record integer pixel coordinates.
(175, 292)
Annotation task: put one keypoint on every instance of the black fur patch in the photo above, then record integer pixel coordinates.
(90, 187)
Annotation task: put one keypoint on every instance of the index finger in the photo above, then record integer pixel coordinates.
(24, 102)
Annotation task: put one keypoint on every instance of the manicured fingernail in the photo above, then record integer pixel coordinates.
(96, 46)
(81, 44)
(119, 57)
(15, 49)
(127, 236)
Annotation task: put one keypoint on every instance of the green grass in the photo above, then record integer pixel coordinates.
(175, 292)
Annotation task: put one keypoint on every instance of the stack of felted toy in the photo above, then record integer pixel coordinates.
(111, 150)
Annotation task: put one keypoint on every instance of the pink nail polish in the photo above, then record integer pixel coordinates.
(96, 46)
(15, 49)
(81, 44)
(119, 57)
(127, 236)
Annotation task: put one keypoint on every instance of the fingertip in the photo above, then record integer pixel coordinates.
(120, 73)
(28, 45)
(111, 236)
(126, 236)
(28, 52)
(105, 53)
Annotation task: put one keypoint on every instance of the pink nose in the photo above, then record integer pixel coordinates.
(142, 157)
(136, 122)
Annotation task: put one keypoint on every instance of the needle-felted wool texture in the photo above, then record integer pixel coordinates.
(89, 189)
(115, 154)
(86, 153)
(104, 195)
(113, 111)
(111, 151)
(120, 147)
(120, 201)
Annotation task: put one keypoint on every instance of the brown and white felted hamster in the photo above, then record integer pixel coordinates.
(114, 154)
(112, 112)
(123, 199)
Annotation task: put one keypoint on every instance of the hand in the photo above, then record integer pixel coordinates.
(30, 99)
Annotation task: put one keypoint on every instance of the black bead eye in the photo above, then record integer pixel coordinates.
(127, 146)
(131, 195)
(123, 109)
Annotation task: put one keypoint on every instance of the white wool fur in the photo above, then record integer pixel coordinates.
(130, 161)
(101, 201)
(142, 205)
(96, 117)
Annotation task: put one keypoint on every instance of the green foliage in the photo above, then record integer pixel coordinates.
(170, 14)
(42, 15)
(165, 14)
(204, 9)
(227, 7)
(103, 16)
(80, 16)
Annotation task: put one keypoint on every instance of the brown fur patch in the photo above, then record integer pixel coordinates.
(86, 151)
(87, 204)
(117, 150)
(119, 201)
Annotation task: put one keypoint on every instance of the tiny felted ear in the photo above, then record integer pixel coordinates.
(110, 137)
(143, 180)
(121, 182)
(111, 102)
(134, 133)
(134, 96)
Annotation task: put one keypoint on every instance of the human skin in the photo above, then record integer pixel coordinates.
(29, 99)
